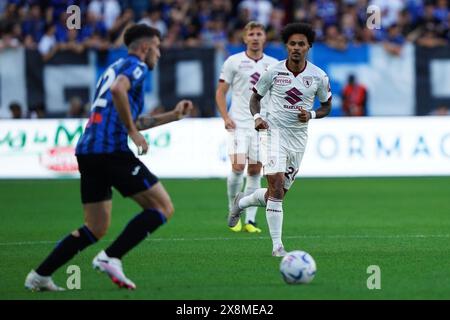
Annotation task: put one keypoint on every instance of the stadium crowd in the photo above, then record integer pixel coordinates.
(192, 23)
(41, 24)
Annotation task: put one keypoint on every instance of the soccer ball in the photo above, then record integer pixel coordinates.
(298, 267)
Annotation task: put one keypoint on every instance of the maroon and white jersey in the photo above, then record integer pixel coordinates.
(242, 73)
(288, 92)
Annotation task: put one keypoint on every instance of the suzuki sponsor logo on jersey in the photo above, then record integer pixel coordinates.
(307, 81)
(293, 96)
(254, 78)
(283, 81)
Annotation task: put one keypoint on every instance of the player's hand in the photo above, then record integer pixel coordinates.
(183, 109)
(304, 115)
(260, 124)
(229, 123)
(139, 141)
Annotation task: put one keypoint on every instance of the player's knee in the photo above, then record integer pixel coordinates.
(278, 193)
(276, 189)
(254, 170)
(99, 231)
(238, 167)
(170, 210)
(167, 210)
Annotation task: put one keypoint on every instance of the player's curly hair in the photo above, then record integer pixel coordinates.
(138, 31)
(301, 28)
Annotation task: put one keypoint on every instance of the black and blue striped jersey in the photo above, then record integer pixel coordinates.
(105, 132)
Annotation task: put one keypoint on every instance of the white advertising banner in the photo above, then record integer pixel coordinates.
(197, 148)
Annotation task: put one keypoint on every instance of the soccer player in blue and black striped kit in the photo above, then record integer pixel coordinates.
(105, 161)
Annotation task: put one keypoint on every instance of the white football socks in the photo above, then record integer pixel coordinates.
(234, 185)
(252, 184)
(274, 215)
(256, 199)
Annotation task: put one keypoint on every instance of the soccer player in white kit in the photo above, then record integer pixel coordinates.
(292, 85)
(240, 72)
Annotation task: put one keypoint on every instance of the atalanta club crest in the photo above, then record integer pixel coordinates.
(307, 81)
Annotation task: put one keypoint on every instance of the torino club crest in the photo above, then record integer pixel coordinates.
(307, 81)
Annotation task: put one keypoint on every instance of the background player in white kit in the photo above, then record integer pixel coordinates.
(293, 84)
(240, 72)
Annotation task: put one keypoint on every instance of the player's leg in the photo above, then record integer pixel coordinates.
(156, 207)
(65, 250)
(279, 184)
(253, 183)
(274, 211)
(242, 201)
(235, 179)
(132, 178)
(96, 195)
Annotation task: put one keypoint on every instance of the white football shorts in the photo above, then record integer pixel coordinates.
(244, 141)
(277, 155)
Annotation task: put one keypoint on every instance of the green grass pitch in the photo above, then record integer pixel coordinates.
(400, 224)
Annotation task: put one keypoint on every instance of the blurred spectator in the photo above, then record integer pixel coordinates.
(76, 108)
(173, 36)
(117, 30)
(259, 10)
(47, 45)
(242, 18)
(61, 33)
(354, 98)
(153, 19)
(428, 29)
(334, 39)
(432, 37)
(349, 22)
(37, 111)
(394, 40)
(16, 110)
(11, 32)
(193, 23)
(366, 35)
(327, 10)
(107, 11)
(442, 110)
(214, 34)
(92, 24)
(389, 10)
(139, 7)
(441, 10)
(405, 22)
(318, 27)
(33, 26)
(72, 44)
(276, 24)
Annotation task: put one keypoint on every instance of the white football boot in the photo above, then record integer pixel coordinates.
(113, 268)
(36, 282)
(279, 251)
(235, 213)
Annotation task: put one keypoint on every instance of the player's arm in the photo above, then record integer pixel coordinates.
(321, 112)
(119, 91)
(255, 109)
(324, 95)
(221, 101)
(182, 109)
